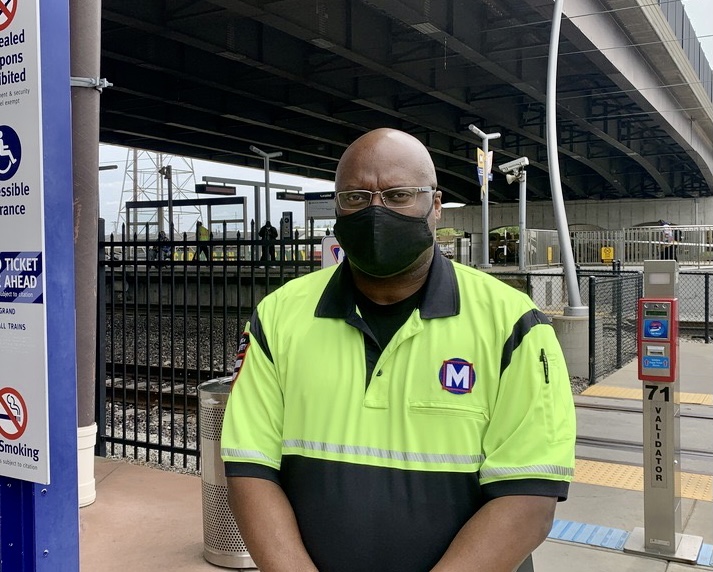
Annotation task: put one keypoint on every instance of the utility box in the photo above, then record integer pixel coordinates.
(222, 543)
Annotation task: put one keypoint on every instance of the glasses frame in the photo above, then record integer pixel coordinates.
(426, 189)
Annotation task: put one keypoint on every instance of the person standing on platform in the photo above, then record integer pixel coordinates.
(668, 250)
(202, 235)
(398, 411)
(268, 235)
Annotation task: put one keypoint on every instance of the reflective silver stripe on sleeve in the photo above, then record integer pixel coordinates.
(248, 454)
(383, 453)
(519, 471)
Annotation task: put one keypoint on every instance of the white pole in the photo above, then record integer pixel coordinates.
(485, 138)
(266, 161)
(575, 307)
(267, 188)
(523, 219)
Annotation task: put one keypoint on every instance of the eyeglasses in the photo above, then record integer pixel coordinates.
(396, 198)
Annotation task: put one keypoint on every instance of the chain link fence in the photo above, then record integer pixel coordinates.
(612, 296)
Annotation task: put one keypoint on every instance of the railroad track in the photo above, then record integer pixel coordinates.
(636, 407)
(613, 432)
(152, 386)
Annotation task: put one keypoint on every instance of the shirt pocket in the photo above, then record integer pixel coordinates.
(553, 398)
(450, 408)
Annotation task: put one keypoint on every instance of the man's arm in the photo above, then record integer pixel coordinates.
(268, 526)
(500, 535)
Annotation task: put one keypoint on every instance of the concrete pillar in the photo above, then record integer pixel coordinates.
(573, 335)
(85, 32)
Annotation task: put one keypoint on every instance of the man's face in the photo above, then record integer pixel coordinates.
(385, 164)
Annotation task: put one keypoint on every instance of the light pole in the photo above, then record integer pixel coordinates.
(266, 159)
(515, 171)
(485, 138)
(167, 173)
(575, 307)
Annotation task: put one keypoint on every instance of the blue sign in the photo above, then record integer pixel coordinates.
(21, 277)
(10, 152)
(656, 362)
(480, 175)
(656, 329)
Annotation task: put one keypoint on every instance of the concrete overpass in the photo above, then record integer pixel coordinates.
(208, 78)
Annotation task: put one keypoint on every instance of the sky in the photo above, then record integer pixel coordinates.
(116, 186)
(111, 182)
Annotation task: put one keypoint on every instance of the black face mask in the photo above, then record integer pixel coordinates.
(381, 242)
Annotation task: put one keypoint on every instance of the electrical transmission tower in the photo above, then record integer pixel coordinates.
(143, 181)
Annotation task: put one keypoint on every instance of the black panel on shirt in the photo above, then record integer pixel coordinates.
(259, 335)
(358, 518)
(527, 321)
(242, 469)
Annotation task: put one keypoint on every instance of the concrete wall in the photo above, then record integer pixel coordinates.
(610, 215)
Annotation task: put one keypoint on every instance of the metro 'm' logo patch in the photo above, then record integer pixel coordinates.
(240, 358)
(457, 376)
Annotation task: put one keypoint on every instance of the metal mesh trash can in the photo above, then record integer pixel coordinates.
(222, 543)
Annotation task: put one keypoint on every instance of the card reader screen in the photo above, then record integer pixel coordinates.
(662, 313)
(656, 329)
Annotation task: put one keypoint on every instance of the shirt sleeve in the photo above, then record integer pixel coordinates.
(251, 440)
(529, 443)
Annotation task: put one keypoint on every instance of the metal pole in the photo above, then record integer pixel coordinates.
(256, 220)
(485, 138)
(266, 161)
(575, 307)
(592, 329)
(523, 220)
(485, 218)
(267, 188)
(706, 304)
(169, 178)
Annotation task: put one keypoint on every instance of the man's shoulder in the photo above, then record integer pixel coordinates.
(309, 285)
(482, 285)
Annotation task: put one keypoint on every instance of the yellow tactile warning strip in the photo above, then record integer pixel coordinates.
(693, 486)
(633, 393)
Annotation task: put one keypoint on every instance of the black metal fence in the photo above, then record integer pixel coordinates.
(171, 320)
(169, 317)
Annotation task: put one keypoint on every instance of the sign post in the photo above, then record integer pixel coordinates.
(657, 340)
(38, 398)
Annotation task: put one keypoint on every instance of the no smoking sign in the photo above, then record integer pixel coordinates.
(13, 414)
(8, 8)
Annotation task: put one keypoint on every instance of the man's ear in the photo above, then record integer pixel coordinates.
(437, 204)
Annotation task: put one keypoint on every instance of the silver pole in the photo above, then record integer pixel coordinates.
(485, 138)
(257, 207)
(266, 159)
(575, 307)
(169, 178)
(523, 219)
(267, 188)
(485, 212)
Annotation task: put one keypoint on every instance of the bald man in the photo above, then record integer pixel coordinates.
(397, 412)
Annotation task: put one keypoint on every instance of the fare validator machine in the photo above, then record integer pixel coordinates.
(657, 341)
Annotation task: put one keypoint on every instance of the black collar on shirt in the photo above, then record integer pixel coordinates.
(440, 298)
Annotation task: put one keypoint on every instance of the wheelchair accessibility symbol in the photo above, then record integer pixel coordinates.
(10, 152)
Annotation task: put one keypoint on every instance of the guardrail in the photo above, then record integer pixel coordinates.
(691, 246)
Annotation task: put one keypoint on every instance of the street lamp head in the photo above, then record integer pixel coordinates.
(477, 131)
(482, 134)
(265, 155)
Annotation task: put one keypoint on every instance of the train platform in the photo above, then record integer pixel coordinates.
(146, 519)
